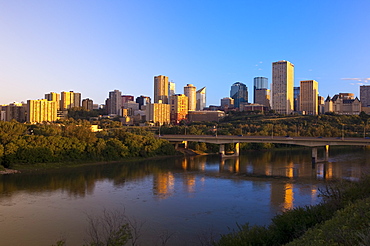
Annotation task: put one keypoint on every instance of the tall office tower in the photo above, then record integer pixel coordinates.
(161, 89)
(179, 108)
(259, 83)
(309, 97)
(282, 87)
(365, 95)
(143, 101)
(171, 88)
(239, 92)
(53, 96)
(201, 99)
(262, 96)
(191, 92)
(69, 100)
(115, 102)
(88, 104)
(41, 111)
(297, 100)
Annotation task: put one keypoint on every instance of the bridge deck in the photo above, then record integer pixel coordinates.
(304, 141)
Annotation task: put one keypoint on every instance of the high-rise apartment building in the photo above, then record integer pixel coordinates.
(115, 102)
(201, 98)
(239, 92)
(15, 111)
(171, 89)
(88, 104)
(309, 97)
(179, 108)
(282, 87)
(70, 100)
(158, 113)
(191, 92)
(259, 83)
(161, 89)
(53, 96)
(365, 95)
(41, 111)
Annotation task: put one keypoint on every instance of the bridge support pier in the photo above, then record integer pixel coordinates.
(185, 144)
(314, 155)
(326, 152)
(222, 149)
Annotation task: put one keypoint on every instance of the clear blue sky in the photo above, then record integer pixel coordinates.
(94, 47)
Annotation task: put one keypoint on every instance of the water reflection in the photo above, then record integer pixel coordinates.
(182, 194)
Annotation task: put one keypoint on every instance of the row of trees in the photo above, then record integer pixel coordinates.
(74, 141)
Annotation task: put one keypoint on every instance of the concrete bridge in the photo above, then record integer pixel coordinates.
(313, 142)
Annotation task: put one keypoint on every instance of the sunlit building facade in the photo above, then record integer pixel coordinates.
(282, 87)
(41, 111)
(53, 96)
(179, 108)
(309, 93)
(158, 113)
(190, 91)
(70, 99)
(161, 89)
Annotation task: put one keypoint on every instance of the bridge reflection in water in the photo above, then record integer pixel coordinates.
(313, 142)
(280, 170)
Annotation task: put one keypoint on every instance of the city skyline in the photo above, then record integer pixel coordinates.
(98, 47)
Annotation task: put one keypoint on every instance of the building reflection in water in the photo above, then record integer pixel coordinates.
(163, 185)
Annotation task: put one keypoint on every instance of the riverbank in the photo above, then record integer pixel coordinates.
(21, 168)
(343, 218)
(8, 171)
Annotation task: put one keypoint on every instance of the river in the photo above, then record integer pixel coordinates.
(185, 200)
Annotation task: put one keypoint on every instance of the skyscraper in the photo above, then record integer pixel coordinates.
(191, 92)
(239, 92)
(282, 87)
(259, 83)
(115, 102)
(309, 97)
(171, 89)
(297, 100)
(201, 99)
(161, 89)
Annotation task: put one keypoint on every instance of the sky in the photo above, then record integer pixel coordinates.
(94, 47)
